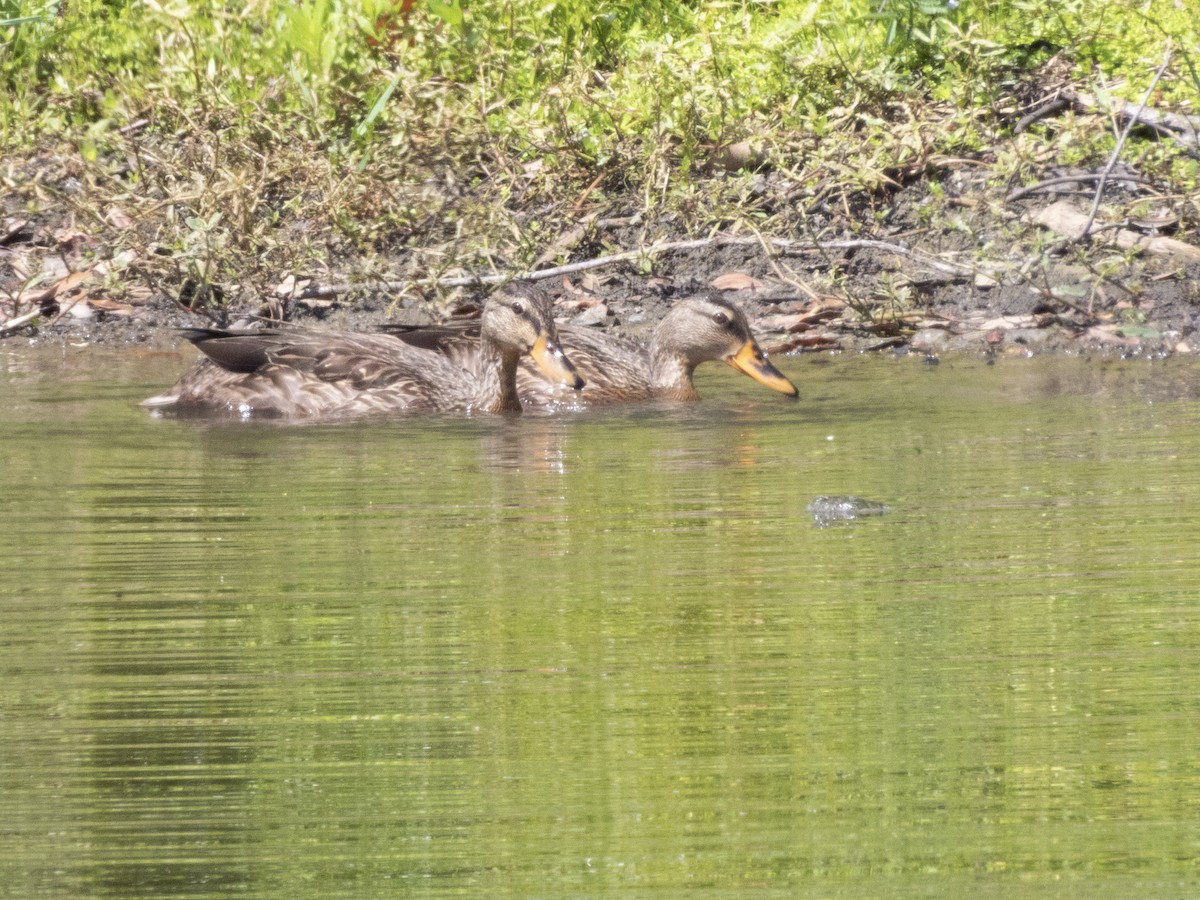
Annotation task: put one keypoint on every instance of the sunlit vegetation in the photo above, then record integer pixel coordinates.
(244, 141)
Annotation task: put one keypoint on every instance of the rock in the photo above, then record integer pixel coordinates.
(594, 315)
(931, 340)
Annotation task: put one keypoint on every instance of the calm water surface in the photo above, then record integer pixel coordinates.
(609, 651)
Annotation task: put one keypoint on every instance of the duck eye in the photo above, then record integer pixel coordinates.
(518, 306)
(720, 318)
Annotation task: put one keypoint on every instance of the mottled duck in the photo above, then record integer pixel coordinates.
(299, 372)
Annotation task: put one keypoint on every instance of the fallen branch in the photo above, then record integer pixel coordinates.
(1184, 130)
(1064, 219)
(782, 244)
(1071, 179)
(1112, 159)
(17, 322)
(1048, 108)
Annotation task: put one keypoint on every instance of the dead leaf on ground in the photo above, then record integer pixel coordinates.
(118, 218)
(118, 262)
(60, 288)
(111, 306)
(1063, 218)
(808, 342)
(291, 286)
(799, 321)
(1107, 334)
(1142, 304)
(12, 229)
(138, 294)
(593, 315)
(789, 323)
(68, 237)
(23, 264)
(588, 284)
(736, 281)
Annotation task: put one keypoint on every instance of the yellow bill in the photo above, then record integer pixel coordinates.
(554, 363)
(750, 360)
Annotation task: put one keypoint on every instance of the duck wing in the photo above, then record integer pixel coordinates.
(613, 368)
(300, 372)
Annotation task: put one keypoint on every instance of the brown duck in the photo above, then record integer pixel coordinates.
(615, 369)
(297, 372)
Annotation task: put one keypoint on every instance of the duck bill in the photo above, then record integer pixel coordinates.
(750, 360)
(554, 363)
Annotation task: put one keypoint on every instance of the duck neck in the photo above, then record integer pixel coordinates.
(504, 364)
(671, 374)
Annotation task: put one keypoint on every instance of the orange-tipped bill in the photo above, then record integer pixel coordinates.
(750, 360)
(554, 363)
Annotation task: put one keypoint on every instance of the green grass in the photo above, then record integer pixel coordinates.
(249, 145)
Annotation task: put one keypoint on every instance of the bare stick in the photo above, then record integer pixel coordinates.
(1049, 108)
(17, 322)
(1069, 179)
(1112, 160)
(784, 244)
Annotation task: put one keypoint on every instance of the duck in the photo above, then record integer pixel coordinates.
(696, 330)
(302, 372)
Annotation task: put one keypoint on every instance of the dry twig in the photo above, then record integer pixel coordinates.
(1070, 179)
(782, 244)
(1112, 160)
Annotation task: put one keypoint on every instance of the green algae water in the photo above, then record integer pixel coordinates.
(606, 652)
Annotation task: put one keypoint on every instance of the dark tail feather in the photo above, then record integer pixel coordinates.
(236, 352)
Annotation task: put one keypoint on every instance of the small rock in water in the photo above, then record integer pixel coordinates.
(827, 510)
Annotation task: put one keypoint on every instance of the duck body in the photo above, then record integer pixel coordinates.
(617, 369)
(299, 372)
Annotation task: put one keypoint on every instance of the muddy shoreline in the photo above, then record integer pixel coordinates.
(950, 280)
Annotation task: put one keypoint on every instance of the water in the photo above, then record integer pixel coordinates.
(575, 655)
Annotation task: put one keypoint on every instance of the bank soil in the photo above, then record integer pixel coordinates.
(946, 263)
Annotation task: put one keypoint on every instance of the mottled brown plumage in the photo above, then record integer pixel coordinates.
(296, 372)
(615, 369)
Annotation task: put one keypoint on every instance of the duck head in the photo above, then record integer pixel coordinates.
(697, 330)
(520, 321)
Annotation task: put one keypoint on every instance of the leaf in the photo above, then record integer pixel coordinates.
(790, 323)
(118, 262)
(66, 284)
(1141, 331)
(816, 341)
(1112, 334)
(11, 230)
(68, 236)
(118, 218)
(451, 13)
(138, 294)
(594, 315)
(363, 128)
(736, 281)
(112, 306)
